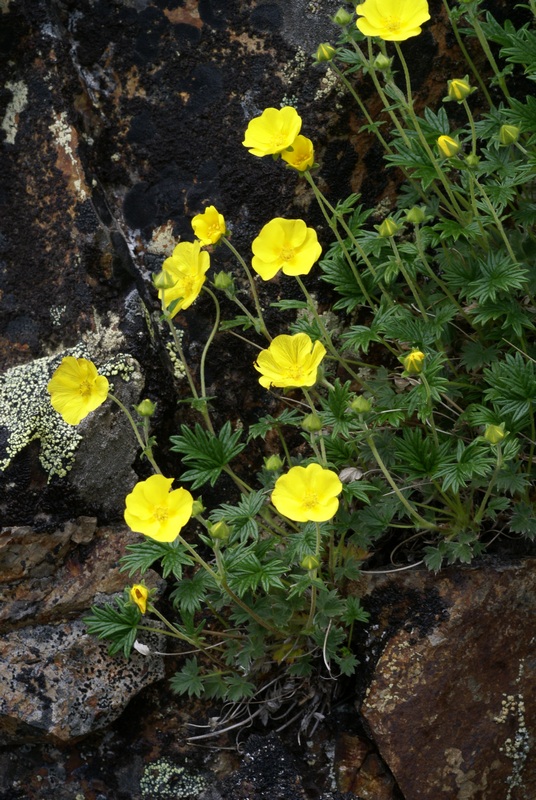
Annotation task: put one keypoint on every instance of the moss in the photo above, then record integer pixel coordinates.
(27, 414)
(166, 780)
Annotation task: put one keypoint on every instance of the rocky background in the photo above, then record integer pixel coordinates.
(120, 120)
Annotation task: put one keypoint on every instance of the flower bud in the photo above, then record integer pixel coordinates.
(164, 280)
(146, 408)
(459, 89)
(508, 134)
(273, 463)
(381, 62)
(472, 160)
(413, 362)
(197, 508)
(325, 52)
(388, 227)
(448, 147)
(224, 281)
(360, 404)
(312, 423)
(342, 17)
(220, 530)
(416, 215)
(494, 433)
(139, 595)
(310, 562)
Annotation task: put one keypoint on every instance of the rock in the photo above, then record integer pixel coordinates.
(452, 702)
(58, 682)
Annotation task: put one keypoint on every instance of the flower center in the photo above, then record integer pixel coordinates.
(287, 253)
(85, 389)
(392, 23)
(310, 500)
(161, 514)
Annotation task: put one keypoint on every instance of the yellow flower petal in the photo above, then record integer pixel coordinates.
(286, 244)
(290, 361)
(76, 389)
(154, 510)
(273, 131)
(307, 494)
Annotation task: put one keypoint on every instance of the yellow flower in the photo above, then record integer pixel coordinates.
(413, 362)
(302, 154)
(272, 132)
(286, 244)
(290, 361)
(157, 512)
(392, 20)
(186, 267)
(307, 494)
(448, 146)
(76, 389)
(139, 595)
(209, 226)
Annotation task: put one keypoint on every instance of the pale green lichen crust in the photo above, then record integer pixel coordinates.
(166, 780)
(26, 413)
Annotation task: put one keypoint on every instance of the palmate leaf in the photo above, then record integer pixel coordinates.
(498, 275)
(512, 389)
(188, 680)
(248, 573)
(207, 452)
(142, 555)
(242, 516)
(120, 624)
(189, 593)
(468, 462)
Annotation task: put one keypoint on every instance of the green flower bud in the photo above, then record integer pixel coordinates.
(310, 562)
(312, 423)
(220, 531)
(197, 508)
(416, 215)
(448, 147)
(459, 89)
(325, 52)
(388, 227)
(381, 62)
(273, 463)
(164, 280)
(413, 362)
(472, 160)
(146, 408)
(508, 134)
(495, 433)
(360, 404)
(224, 281)
(342, 17)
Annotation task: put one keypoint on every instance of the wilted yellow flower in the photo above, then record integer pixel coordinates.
(209, 226)
(286, 244)
(139, 595)
(186, 267)
(290, 361)
(302, 154)
(392, 20)
(413, 362)
(76, 389)
(307, 494)
(272, 132)
(448, 146)
(157, 512)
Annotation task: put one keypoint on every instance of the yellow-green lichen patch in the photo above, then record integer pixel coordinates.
(26, 413)
(165, 780)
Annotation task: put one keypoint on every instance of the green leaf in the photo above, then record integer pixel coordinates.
(523, 520)
(189, 593)
(142, 555)
(267, 423)
(209, 453)
(188, 680)
(242, 516)
(120, 624)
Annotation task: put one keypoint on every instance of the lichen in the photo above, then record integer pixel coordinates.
(27, 414)
(166, 780)
(518, 748)
(19, 90)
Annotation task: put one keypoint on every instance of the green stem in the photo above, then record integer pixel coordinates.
(146, 450)
(323, 456)
(261, 327)
(429, 399)
(407, 278)
(209, 341)
(437, 280)
(385, 100)
(481, 36)
(342, 77)
(480, 513)
(467, 57)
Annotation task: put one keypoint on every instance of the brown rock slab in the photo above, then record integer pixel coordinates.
(453, 708)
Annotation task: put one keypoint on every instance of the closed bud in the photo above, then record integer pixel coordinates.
(273, 463)
(508, 134)
(494, 433)
(310, 562)
(448, 146)
(220, 530)
(388, 227)
(312, 423)
(472, 160)
(342, 17)
(146, 408)
(382, 62)
(325, 52)
(164, 280)
(360, 404)
(413, 362)
(224, 282)
(197, 508)
(416, 215)
(139, 595)
(459, 89)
